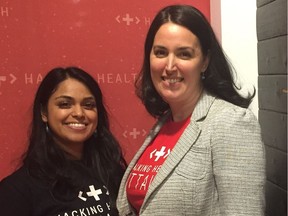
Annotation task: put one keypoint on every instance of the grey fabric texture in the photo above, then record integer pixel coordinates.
(217, 167)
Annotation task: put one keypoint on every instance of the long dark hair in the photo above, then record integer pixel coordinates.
(102, 156)
(219, 74)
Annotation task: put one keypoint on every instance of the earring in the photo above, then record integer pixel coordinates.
(95, 133)
(47, 128)
(203, 76)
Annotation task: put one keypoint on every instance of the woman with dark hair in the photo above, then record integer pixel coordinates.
(204, 156)
(74, 164)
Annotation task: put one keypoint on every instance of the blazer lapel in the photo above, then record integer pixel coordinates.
(185, 142)
(122, 203)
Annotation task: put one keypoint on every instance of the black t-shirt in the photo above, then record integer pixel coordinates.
(23, 195)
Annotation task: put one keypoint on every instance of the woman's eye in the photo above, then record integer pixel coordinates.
(185, 55)
(90, 105)
(64, 105)
(160, 53)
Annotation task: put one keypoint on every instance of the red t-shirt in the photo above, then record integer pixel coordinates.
(151, 161)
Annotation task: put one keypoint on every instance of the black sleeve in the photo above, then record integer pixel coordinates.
(15, 198)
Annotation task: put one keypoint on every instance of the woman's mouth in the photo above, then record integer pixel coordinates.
(76, 125)
(172, 80)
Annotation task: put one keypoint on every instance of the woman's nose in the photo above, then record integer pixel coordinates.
(170, 65)
(77, 111)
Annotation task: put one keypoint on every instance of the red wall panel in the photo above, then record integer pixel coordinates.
(104, 37)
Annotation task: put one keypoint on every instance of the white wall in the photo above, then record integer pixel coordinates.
(237, 33)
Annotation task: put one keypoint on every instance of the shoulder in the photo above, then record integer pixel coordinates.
(16, 193)
(18, 182)
(228, 124)
(227, 118)
(14, 177)
(222, 110)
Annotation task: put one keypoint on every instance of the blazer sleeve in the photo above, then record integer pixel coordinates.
(238, 162)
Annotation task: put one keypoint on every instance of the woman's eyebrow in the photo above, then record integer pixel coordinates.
(64, 96)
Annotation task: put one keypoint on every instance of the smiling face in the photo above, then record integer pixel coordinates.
(176, 63)
(71, 115)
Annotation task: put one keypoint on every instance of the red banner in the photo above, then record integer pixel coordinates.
(104, 37)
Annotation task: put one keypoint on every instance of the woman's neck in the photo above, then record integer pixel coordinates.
(73, 151)
(181, 111)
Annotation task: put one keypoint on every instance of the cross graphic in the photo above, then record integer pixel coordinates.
(94, 192)
(134, 133)
(160, 153)
(127, 19)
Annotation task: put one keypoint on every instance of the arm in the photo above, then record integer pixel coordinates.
(238, 162)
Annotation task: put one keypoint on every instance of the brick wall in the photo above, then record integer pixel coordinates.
(272, 84)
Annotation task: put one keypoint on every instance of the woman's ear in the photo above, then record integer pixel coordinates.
(206, 62)
(44, 115)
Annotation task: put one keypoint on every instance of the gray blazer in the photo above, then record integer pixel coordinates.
(216, 168)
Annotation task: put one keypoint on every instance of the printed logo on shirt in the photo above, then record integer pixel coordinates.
(157, 154)
(92, 210)
(142, 175)
(92, 193)
(100, 206)
(150, 162)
